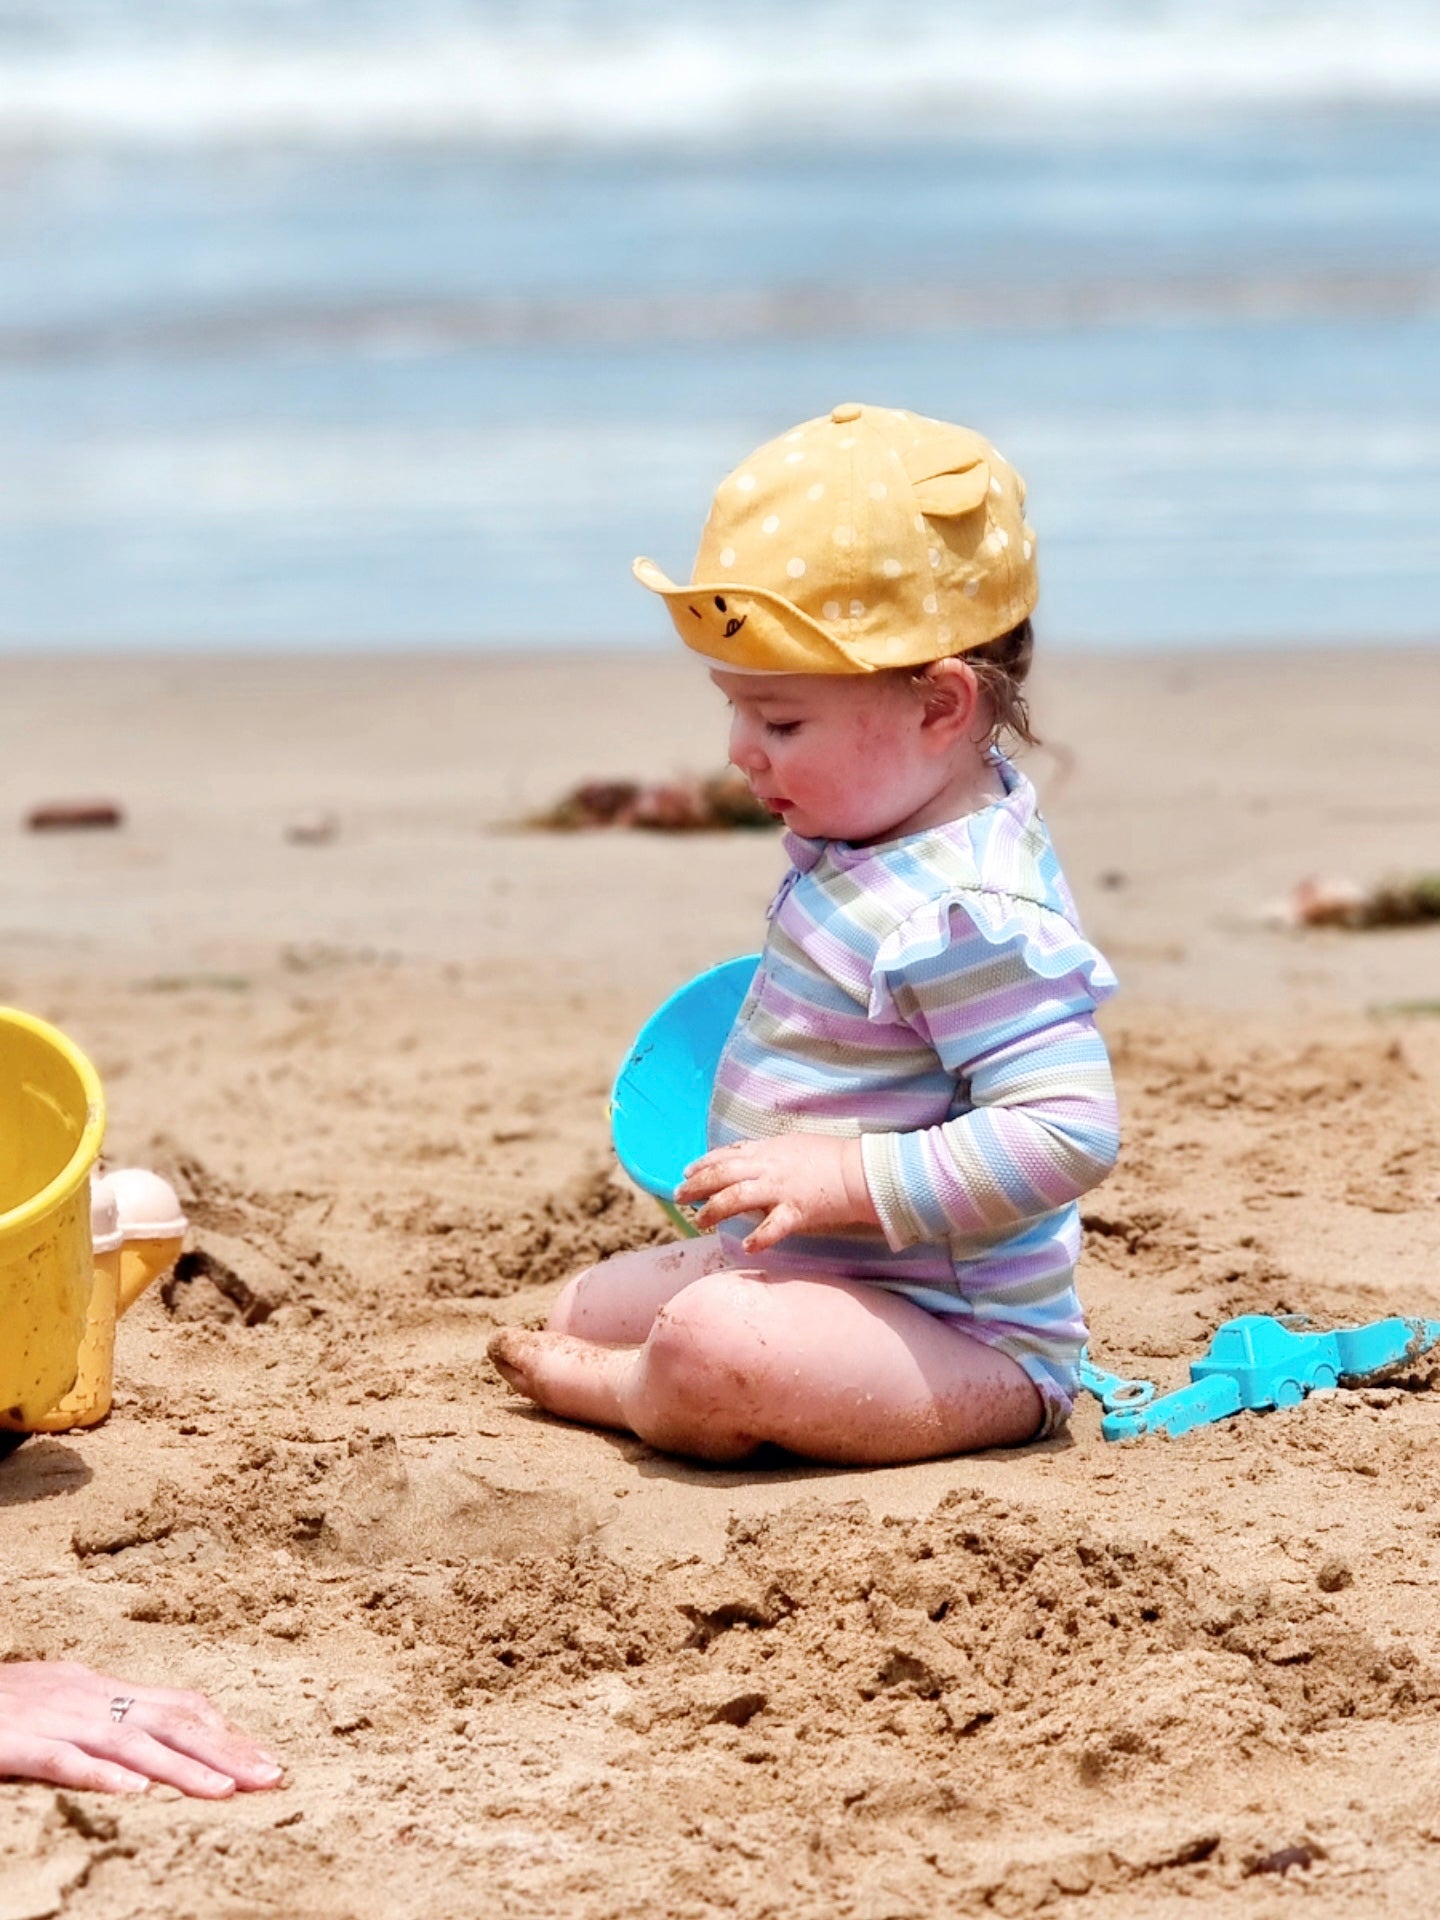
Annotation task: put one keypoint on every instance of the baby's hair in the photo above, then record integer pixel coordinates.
(1002, 667)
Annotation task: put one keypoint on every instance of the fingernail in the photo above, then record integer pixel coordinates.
(271, 1772)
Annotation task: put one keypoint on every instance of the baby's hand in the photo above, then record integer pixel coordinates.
(800, 1183)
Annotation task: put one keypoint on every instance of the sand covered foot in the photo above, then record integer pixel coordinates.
(578, 1379)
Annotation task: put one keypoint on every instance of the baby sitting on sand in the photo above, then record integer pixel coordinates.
(914, 1094)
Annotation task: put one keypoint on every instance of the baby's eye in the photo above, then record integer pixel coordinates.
(782, 728)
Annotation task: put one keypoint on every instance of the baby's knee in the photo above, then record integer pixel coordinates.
(707, 1339)
(699, 1388)
(570, 1301)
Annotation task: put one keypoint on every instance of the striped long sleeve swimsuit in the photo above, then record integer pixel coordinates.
(934, 994)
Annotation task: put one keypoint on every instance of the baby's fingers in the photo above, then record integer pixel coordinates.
(744, 1196)
(784, 1218)
(709, 1175)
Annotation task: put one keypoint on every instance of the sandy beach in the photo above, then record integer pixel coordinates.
(518, 1667)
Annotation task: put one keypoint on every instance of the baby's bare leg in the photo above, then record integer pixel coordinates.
(601, 1316)
(828, 1368)
(616, 1300)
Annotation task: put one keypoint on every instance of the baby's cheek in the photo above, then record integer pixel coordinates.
(875, 758)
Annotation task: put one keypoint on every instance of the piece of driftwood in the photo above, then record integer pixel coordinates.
(62, 815)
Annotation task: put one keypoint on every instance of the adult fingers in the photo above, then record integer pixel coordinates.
(132, 1747)
(62, 1764)
(69, 1706)
(188, 1724)
(179, 1717)
(181, 1700)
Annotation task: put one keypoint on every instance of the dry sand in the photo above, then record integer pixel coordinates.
(523, 1668)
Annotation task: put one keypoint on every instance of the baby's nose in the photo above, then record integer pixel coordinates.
(746, 751)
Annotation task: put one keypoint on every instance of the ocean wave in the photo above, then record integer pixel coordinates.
(443, 71)
(1175, 472)
(418, 329)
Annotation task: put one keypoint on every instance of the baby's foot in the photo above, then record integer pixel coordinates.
(508, 1351)
(577, 1379)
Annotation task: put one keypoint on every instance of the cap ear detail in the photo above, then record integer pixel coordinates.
(945, 496)
(949, 469)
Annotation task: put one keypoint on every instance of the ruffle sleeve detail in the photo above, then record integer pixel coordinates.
(951, 946)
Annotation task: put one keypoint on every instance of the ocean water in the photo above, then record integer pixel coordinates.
(331, 324)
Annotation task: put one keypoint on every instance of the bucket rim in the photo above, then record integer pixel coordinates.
(87, 1148)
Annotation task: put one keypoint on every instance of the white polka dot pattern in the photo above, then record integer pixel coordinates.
(904, 539)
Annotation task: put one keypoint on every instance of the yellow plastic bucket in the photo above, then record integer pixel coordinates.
(52, 1120)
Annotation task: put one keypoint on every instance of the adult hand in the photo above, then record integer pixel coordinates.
(57, 1723)
(799, 1183)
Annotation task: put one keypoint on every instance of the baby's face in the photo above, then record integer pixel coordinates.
(836, 756)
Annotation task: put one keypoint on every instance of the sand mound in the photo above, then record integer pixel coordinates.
(488, 1253)
(1105, 1656)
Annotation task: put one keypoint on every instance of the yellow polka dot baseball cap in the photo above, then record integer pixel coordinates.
(866, 539)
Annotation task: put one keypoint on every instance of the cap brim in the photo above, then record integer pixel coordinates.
(777, 636)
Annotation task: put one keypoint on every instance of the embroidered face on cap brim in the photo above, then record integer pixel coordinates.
(749, 628)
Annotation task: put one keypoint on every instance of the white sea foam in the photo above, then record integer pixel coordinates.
(634, 70)
(501, 478)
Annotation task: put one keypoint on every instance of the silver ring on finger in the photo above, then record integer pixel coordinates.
(121, 1705)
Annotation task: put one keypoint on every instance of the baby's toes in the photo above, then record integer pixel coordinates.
(512, 1354)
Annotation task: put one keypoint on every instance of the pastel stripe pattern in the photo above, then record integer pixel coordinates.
(935, 995)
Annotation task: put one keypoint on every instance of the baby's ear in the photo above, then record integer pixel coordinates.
(949, 691)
